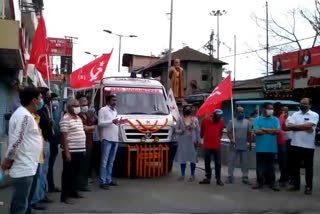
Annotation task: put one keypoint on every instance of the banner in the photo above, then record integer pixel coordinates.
(60, 47)
(173, 105)
(299, 59)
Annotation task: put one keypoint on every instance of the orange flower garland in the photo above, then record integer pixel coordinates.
(146, 127)
(148, 131)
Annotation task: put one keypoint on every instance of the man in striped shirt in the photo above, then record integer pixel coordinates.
(74, 149)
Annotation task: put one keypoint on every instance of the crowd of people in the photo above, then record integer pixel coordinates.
(39, 127)
(278, 137)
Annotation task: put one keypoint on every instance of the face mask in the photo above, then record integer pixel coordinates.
(269, 112)
(240, 116)
(47, 100)
(187, 112)
(92, 109)
(55, 103)
(303, 107)
(76, 110)
(84, 109)
(38, 107)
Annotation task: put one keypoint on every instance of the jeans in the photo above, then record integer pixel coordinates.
(234, 155)
(41, 187)
(265, 168)
(71, 171)
(108, 155)
(282, 160)
(306, 155)
(21, 192)
(217, 162)
(33, 189)
(54, 149)
(183, 168)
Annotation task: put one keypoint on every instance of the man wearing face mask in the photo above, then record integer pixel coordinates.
(24, 149)
(238, 145)
(109, 123)
(266, 128)
(211, 132)
(282, 145)
(74, 149)
(89, 122)
(46, 126)
(54, 142)
(303, 125)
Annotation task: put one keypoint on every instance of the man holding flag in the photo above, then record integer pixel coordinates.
(212, 127)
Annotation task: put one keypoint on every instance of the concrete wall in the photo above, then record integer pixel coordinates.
(141, 61)
(195, 70)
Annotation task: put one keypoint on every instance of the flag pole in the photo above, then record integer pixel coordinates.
(232, 113)
(48, 77)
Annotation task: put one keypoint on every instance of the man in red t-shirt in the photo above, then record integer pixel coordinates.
(282, 145)
(211, 132)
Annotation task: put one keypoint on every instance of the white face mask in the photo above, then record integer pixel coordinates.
(84, 109)
(76, 110)
(270, 112)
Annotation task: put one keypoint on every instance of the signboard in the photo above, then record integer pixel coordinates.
(299, 59)
(304, 78)
(60, 47)
(60, 77)
(277, 85)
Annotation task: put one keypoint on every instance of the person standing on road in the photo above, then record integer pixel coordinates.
(303, 124)
(288, 138)
(211, 132)
(46, 126)
(89, 122)
(188, 131)
(238, 145)
(282, 145)
(74, 150)
(109, 123)
(24, 149)
(266, 128)
(54, 142)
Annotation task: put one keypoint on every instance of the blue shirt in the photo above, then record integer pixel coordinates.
(266, 142)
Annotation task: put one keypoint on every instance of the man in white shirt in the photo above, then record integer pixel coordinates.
(303, 125)
(109, 125)
(24, 149)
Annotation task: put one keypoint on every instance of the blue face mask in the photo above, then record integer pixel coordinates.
(40, 105)
(92, 109)
(240, 116)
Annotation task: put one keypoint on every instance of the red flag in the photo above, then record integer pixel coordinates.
(39, 54)
(222, 92)
(85, 76)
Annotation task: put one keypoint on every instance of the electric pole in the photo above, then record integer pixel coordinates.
(170, 48)
(267, 35)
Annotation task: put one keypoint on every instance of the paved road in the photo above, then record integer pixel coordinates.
(167, 195)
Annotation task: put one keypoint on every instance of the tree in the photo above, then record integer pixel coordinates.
(313, 19)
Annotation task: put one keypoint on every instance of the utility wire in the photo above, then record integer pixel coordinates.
(261, 49)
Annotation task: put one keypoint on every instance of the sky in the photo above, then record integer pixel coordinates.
(148, 19)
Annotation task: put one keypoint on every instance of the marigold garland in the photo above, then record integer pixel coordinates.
(146, 127)
(148, 132)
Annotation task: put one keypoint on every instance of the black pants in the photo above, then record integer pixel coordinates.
(306, 155)
(54, 149)
(265, 168)
(71, 171)
(289, 160)
(96, 157)
(85, 170)
(21, 192)
(282, 161)
(217, 162)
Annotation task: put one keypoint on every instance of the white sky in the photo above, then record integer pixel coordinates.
(147, 19)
